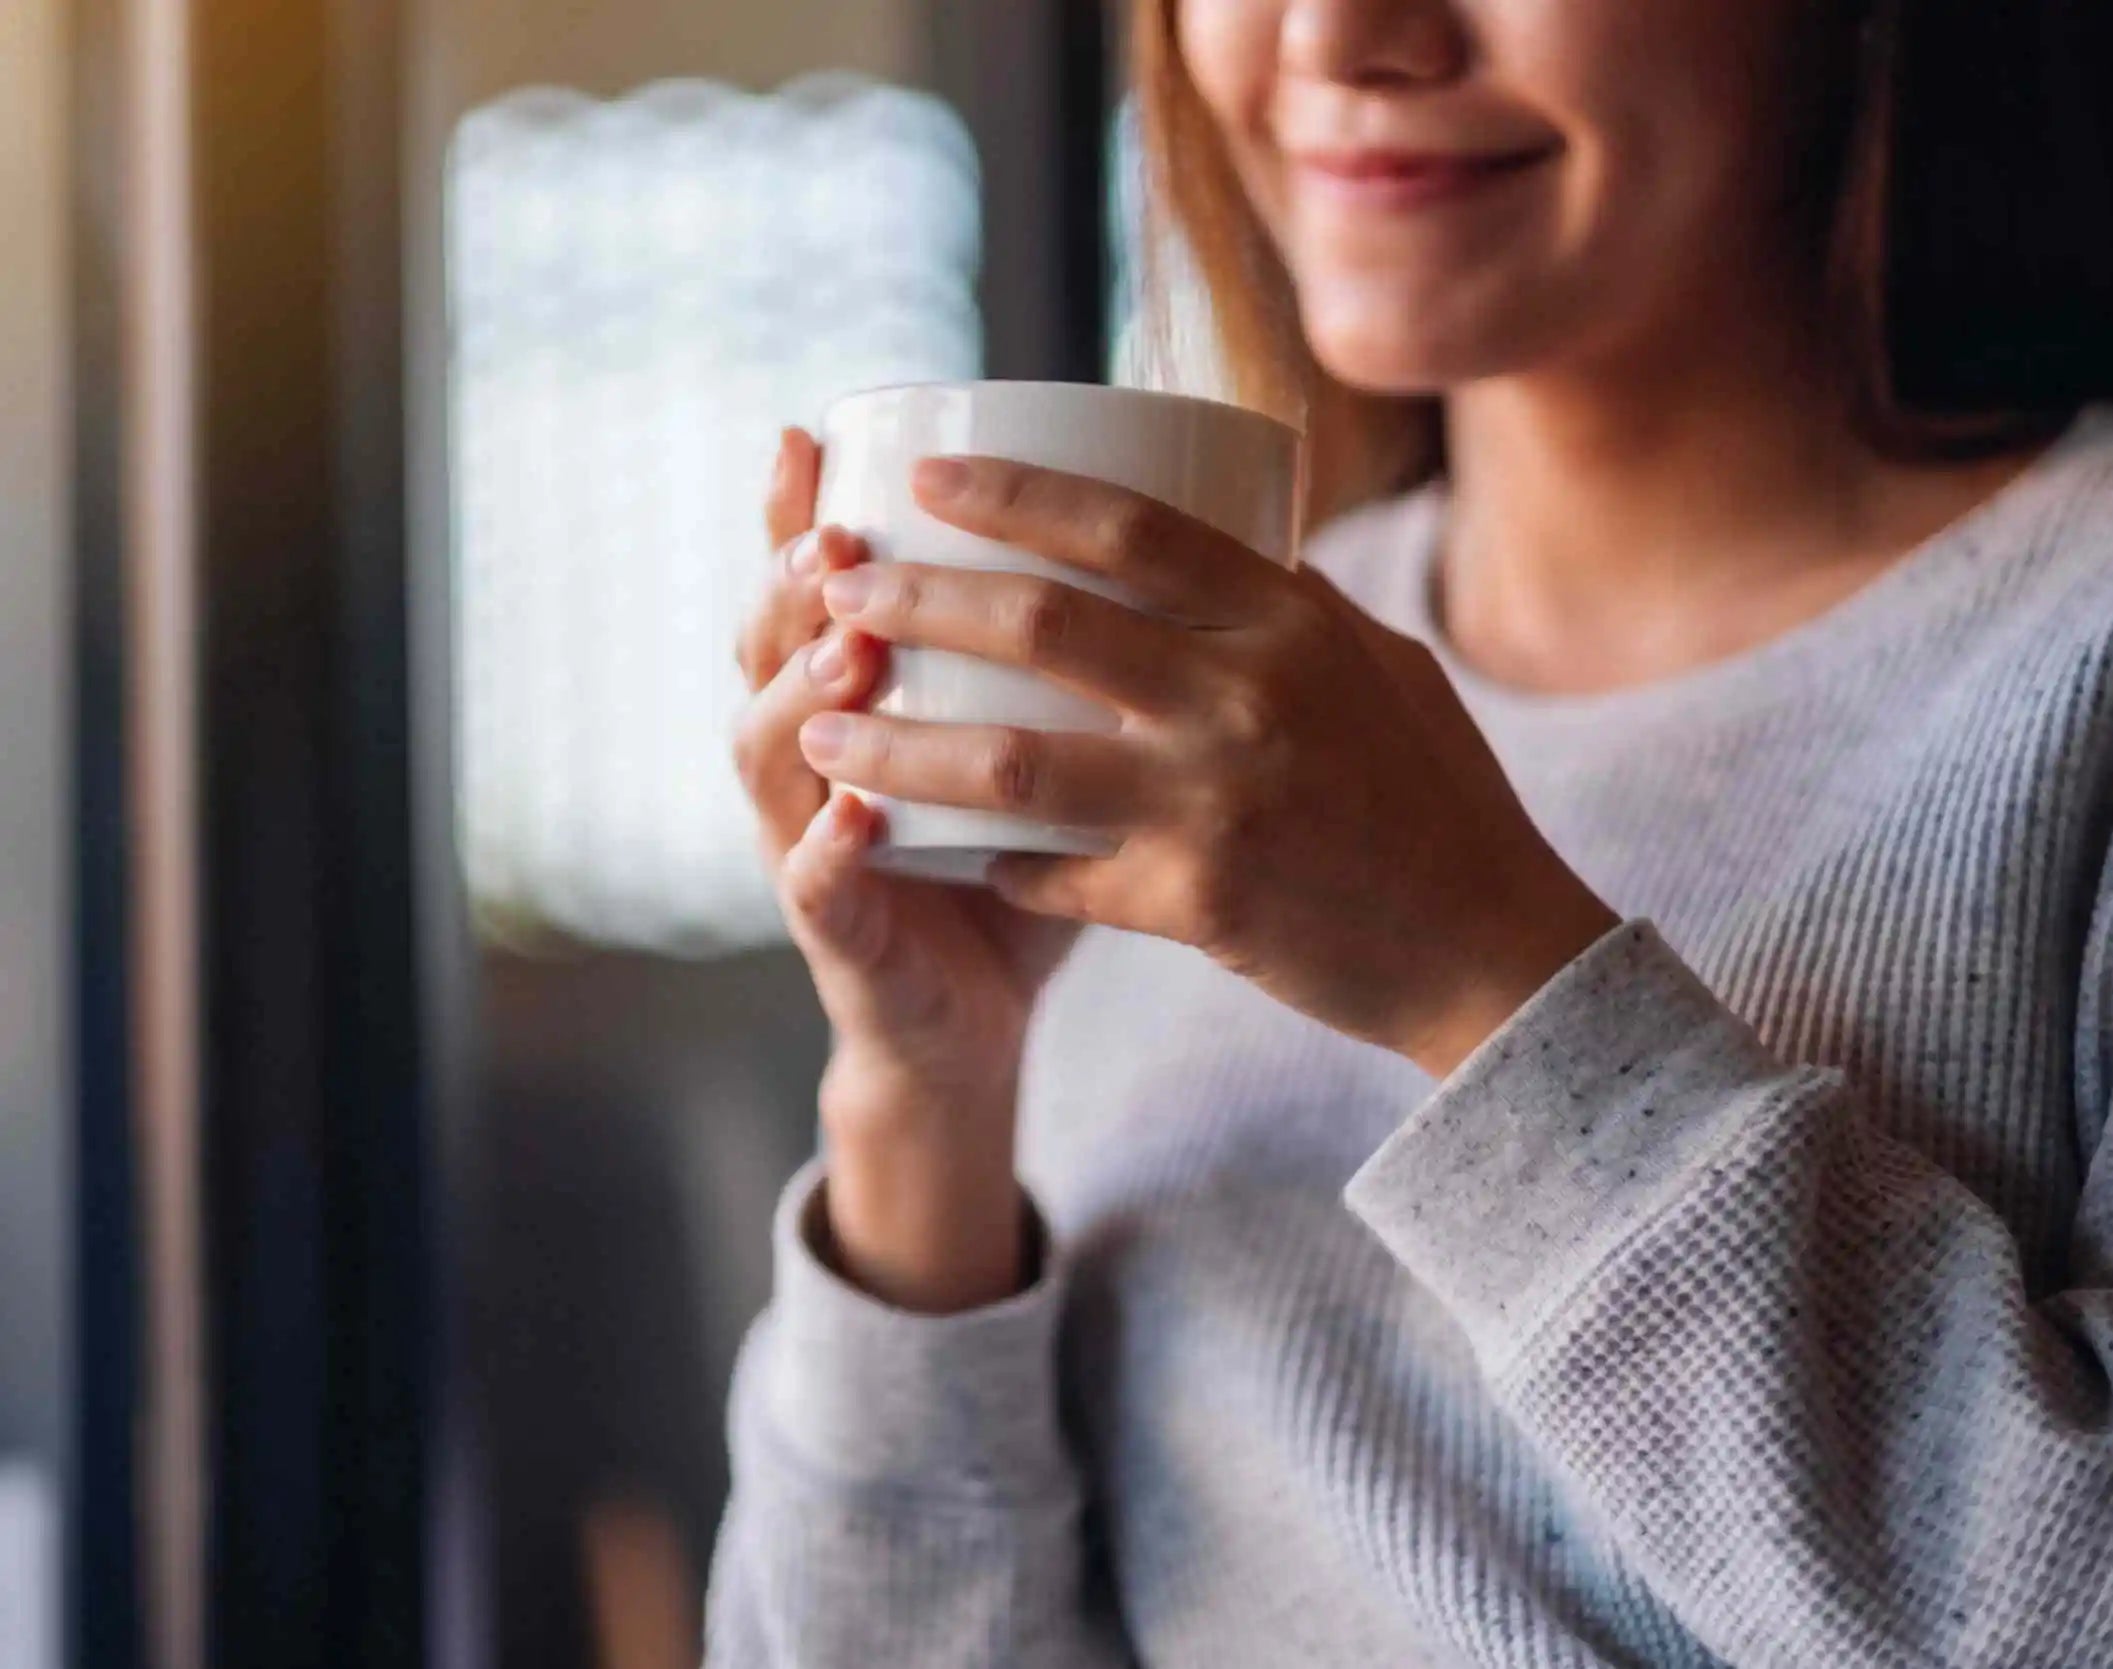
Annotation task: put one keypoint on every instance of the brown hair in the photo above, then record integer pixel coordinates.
(1962, 178)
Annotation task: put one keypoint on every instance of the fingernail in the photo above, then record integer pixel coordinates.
(827, 664)
(823, 737)
(849, 591)
(940, 477)
(807, 553)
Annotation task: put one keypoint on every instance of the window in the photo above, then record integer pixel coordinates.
(641, 294)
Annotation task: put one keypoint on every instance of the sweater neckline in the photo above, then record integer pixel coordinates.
(1921, 577)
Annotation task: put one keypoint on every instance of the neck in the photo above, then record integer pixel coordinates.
(1608, 529)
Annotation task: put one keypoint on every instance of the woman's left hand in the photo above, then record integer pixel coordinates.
(1296, 790)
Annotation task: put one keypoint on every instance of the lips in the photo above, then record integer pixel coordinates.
(1408, 178)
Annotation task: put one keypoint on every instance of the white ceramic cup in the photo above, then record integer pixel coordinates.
(1232, 468)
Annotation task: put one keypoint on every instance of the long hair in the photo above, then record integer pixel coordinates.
(1961, 181)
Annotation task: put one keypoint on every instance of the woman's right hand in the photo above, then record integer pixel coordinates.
(927, 987)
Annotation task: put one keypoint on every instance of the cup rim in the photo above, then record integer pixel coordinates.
(830, 409)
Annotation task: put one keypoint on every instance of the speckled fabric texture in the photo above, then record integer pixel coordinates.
(1747, 1299)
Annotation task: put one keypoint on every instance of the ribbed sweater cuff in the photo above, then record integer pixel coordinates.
(871, 1395)
(1579, 1121)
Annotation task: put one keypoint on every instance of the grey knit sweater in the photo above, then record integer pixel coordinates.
(1748, 1298)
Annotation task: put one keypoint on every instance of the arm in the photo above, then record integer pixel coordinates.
(1792, 1362)
(641, 1586)
(902, 1492)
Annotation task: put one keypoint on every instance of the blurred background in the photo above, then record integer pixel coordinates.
(671, 229)
(399, 1051)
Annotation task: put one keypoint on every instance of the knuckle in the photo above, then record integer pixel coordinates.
(1299, 613)
(1015, 768)
(1007, 485)
(900, 593)
(1207, 902)
(749, 747)
(1044, 618)
(748, 653)
(1130, 526)
(1252, 707)
(1228, 819)
(872, 748)
(806, 894)
(858, 930)
(1315, 624)
(1247, 708)
(1234, 823)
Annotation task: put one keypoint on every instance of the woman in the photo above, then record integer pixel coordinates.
(1576, 1131)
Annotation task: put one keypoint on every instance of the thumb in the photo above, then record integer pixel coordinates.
(831, 903)
(866, 947)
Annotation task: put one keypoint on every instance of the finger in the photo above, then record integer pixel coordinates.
(1173, 563)
(1138, 890)
(790, 613)
(1066, 777)
(788, 506)
(1101, 647)
(1066, 888)
(826, 891)
(834, 671)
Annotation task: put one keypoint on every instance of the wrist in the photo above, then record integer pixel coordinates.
(921, 1207)
(934, 1238)
(1516, 964)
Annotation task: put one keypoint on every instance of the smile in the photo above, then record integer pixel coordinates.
(1408, 180)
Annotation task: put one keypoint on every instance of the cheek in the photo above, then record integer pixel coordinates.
(1675, 113)
(1229, 48)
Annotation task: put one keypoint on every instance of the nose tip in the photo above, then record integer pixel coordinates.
(1374, 43)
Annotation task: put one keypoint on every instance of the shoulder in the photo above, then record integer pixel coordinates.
(2063, 520)
(2045, 558)
(2022, 676)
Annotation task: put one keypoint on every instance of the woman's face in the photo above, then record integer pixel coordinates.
(1468, 188)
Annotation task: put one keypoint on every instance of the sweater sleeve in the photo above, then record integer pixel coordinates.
(1791, 1362)
(902, 1491)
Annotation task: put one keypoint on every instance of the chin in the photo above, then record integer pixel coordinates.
(1404, 341)
(1385, 354)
